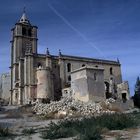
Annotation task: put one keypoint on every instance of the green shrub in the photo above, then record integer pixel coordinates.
(91, 133)
(116, 121)
(88, 128)
(4, 132)
(28, 131)
(60, 130)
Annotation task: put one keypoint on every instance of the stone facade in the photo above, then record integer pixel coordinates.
(5, 86)
(87, 84)
(37, 76)
(123, 91)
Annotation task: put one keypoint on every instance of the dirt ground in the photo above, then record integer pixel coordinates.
(19, 118)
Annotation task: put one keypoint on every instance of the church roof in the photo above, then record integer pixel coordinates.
(79, 58)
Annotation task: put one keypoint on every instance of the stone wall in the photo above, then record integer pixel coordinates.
(5, 85)
(87, 84)
(78, 62)
(123, 106)
(123, 91)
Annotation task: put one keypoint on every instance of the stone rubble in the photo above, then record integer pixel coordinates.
(69, 107)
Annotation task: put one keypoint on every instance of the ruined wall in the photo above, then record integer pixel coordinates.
(123, 91)
(88, 84)
(43, 84)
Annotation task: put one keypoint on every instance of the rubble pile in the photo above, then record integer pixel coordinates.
(69, 107)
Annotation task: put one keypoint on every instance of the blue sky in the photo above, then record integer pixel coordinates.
(107, 29)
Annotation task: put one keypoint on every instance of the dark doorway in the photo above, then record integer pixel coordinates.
(124, 97)
(108, 94)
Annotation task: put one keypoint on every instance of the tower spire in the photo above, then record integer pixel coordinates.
(24, 18)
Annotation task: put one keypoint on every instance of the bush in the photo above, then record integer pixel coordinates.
(116, 121)
(28, 131)
(136, 96)
(91, 133)
(88, 128)
(136, 99)
(4, 132)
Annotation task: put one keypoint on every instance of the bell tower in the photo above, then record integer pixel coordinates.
(23, 35)
(24, 39)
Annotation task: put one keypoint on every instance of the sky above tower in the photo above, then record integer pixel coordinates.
(107, 29)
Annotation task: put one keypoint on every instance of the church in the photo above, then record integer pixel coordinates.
(45, 77)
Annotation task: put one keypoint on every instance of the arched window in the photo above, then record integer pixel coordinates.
(69, 67)
(39, 65)
(83, 65)
(69, 78)
(23, 31)
(16, 95)
(95, 76)
(111, 70)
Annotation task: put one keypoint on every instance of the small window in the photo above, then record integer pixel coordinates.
(96, 66)
(23, 31)
(83, 65)
(111, 78)
(69, 78)
(69, 67)
(95, 76)
(39, 65)
(111, 70)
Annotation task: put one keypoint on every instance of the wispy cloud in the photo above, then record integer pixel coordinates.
(78, 27)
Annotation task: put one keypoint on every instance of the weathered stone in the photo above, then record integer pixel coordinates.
(69, 107)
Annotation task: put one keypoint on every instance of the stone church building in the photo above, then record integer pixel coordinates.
(42, 77)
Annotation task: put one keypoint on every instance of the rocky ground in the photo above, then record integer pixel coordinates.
(68, 107)
(19, 118)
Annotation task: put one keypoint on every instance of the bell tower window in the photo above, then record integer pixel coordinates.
(23, 31)
(29, 32)
(69, 78)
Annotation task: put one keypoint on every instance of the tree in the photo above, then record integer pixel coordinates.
(137, 86)
(136, 97)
